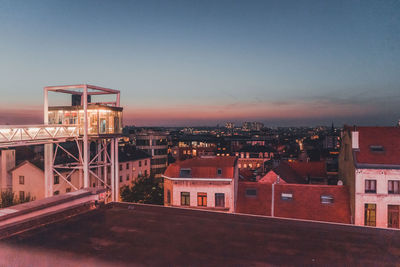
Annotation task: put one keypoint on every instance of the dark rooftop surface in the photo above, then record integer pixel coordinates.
(149, 235)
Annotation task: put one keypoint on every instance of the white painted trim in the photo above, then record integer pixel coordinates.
(199, 179)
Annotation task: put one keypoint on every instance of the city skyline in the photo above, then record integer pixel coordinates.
(188, 63)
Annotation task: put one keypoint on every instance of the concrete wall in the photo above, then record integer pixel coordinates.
(347, 170)
(194, 187)
(382, 199)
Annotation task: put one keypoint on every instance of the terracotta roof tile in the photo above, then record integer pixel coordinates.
(204, 167)
(386, 137)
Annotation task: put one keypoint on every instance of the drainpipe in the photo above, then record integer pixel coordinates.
(272, 199)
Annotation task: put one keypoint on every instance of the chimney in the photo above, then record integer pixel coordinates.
(354, 140)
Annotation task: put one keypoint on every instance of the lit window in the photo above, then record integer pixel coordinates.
(202, 199)
(287, 196)
(21, 179)
(370, 186)
(325, 199)
(370, 214)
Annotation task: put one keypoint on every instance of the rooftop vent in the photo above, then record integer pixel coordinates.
(376, 148)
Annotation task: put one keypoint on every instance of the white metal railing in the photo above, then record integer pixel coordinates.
(15, 135)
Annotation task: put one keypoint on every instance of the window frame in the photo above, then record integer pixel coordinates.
(368, 185)
(220, 198)
(21, 179)
(185, 198)
(394, 191)
(202, 199)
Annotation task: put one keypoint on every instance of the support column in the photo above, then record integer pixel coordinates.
(105, 160)
(85, 140)
(112, 148)
(48, 153)
(116, 159)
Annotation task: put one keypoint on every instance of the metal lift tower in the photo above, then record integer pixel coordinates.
(93, 127)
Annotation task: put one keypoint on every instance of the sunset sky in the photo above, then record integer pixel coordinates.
(206, 62)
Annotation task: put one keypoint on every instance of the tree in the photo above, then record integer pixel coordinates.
(7, 199)
(145, 189)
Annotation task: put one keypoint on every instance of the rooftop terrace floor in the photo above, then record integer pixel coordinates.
(125, 234)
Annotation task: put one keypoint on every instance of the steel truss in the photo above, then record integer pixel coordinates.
(11, 136)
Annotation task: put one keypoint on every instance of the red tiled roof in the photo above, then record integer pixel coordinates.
(306, 203)
(388, 137)
(312, 169)
(288, 174)
(204, 167)
(270, 178)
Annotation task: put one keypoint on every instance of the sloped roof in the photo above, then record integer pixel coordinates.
(285, 171)
(271, 177)
(204, 167)
(306, 203)
(309, 169)
(387, 137)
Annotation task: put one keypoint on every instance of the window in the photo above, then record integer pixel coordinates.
(168, 197)
(394, 187)
(251, 192)
(140, 163)
(325, 199)
(202, 199)
(69, 179)
(127, 177)
(21, 179)
(120, 179)
(127, 166)
(145, 172)
(376, 148)
(21, 195)
(185, 173)
(219, 172)
(56, 193)
(287, 196)
(220, 200)
(145, 162)
(56, 179)
(393, 216)
(68, 190)
(120, 167)
(370, 214)
(185, 199)
(370, 186)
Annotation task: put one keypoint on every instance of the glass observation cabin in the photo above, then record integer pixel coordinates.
(104, 118)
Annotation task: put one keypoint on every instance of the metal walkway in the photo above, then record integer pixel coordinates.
(22, 135)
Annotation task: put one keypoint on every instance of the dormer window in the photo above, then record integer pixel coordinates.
(326, 199)
(219, 172)
(185, 173)
(376, 148)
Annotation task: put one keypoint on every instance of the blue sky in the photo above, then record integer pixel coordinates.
(206, 62)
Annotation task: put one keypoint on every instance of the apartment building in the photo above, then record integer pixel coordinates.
(202, 182)
(369, 163)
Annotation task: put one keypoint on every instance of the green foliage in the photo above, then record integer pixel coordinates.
(146, 189)
(8, 198)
